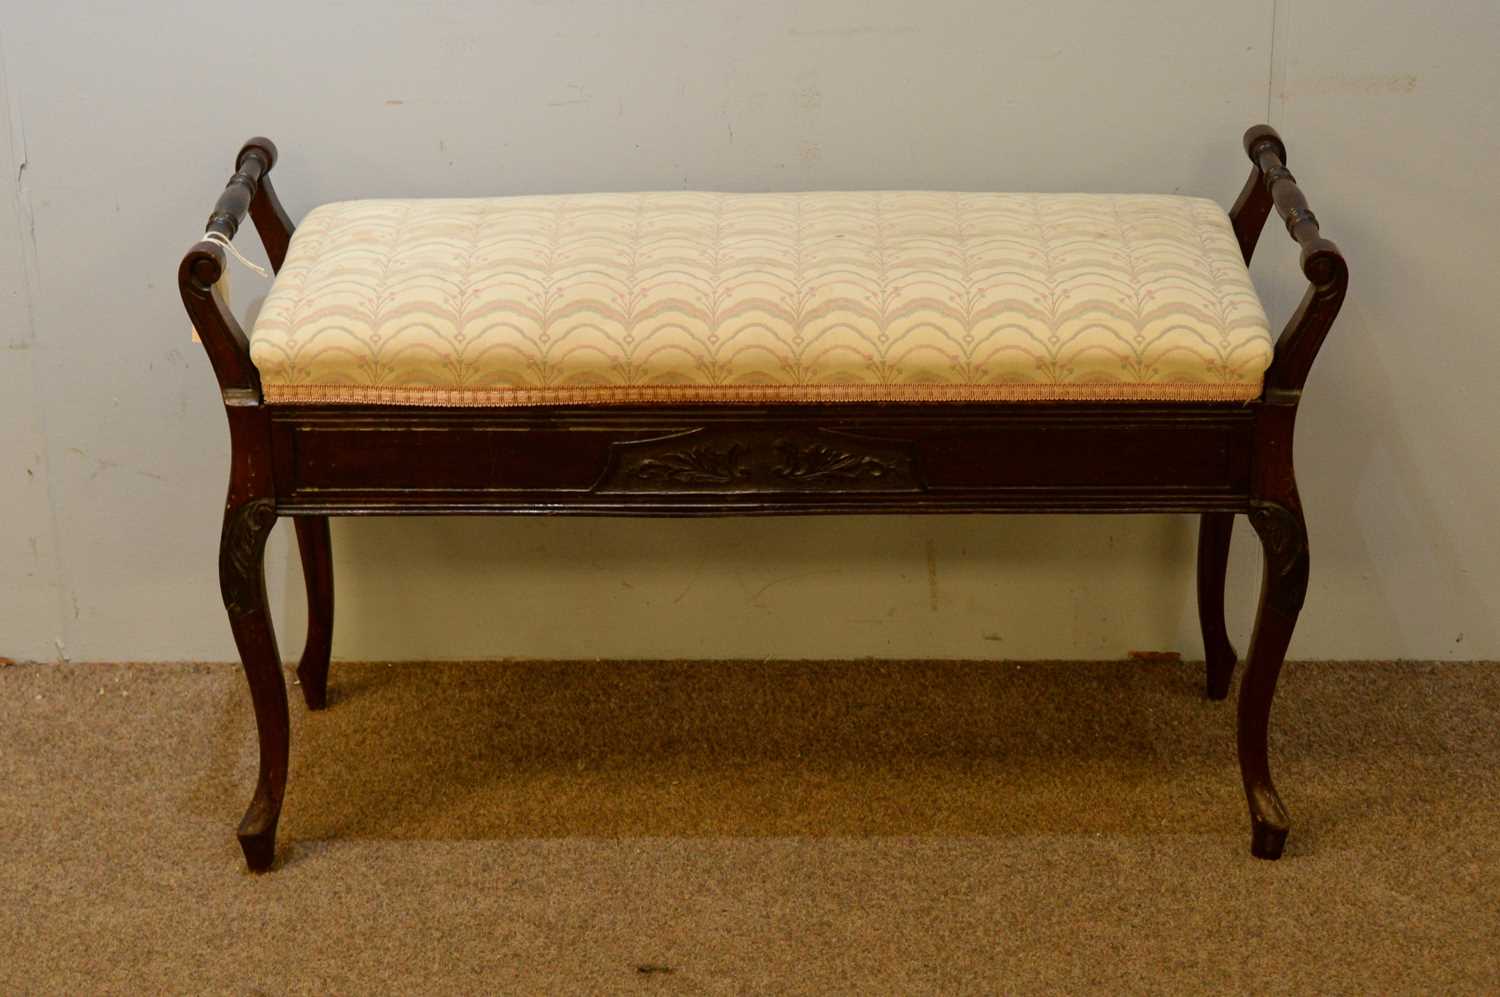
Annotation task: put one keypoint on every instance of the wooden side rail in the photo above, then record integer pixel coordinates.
(1271, 185)
(249, 191)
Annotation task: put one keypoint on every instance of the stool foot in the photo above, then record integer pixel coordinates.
(1219, 674)
(258, 842)
(1267, 839)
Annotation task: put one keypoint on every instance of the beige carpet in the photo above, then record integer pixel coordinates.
(758, 827)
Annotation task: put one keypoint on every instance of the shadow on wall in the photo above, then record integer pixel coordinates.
(831, 587)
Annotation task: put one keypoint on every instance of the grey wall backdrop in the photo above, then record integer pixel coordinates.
(118, 124)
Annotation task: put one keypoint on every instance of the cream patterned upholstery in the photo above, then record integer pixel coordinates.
(826, 297)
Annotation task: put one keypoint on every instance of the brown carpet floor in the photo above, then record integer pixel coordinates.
(756, 827)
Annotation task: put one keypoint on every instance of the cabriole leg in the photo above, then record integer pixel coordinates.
(317, 570)
(1283, 537)
(1214, 530)
(242, 551)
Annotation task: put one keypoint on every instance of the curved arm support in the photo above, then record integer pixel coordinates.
(227, 345)
(1298, 345)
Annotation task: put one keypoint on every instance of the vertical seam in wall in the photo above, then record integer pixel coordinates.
(1281, 14)
(1271, 62)
(30, 289)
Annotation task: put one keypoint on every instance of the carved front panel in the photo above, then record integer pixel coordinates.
(712, 459)
(671, 461)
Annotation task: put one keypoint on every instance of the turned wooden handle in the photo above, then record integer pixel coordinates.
(1321, 260)
(248, 191)
(254, 161)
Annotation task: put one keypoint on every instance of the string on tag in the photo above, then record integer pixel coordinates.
(219, 239)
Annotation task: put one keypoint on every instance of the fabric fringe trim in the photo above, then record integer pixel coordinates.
(277, 394)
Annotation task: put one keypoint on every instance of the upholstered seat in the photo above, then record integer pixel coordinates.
(819, 297)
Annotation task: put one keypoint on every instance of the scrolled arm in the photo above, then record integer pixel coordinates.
(1271, 185)
(226, 343)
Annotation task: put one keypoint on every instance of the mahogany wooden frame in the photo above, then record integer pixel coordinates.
(310, 462)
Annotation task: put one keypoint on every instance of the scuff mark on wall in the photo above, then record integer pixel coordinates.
(1343, 85)
(932, 581)
(21, 195)
(580, 96)
(856, 31)
(692, 580)
(754, 600)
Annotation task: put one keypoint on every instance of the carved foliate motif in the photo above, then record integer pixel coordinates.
(813, 461)
(1284, 537)
(762, 459)
(240, 555)
(694, 465)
